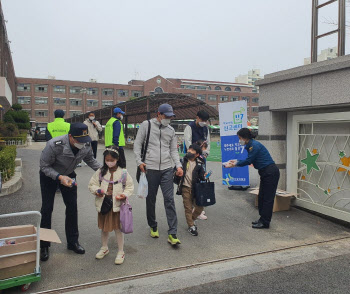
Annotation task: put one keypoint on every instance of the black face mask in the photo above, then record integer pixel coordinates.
(190, 155)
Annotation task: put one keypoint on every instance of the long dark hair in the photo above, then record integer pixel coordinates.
(245, 133)
(113, 151)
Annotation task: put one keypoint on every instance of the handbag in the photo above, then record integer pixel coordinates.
(126, 219)
(143, 152)
(107, 204)
(204, 193)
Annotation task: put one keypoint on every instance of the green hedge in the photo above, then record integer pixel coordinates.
(7, 161)
(22, 136)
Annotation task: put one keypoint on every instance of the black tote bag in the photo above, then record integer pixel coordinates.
(205, 193)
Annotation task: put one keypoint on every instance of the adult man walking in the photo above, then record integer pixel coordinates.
(161, 152)
(114, 134)
(198, 130)
(94, 127)
(58, 161)
(58, 127)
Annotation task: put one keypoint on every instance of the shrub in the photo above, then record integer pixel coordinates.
(17, 107)
(18, 116)
(8, 130)
(7, 161)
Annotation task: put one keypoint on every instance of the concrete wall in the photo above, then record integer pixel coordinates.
(313, 88)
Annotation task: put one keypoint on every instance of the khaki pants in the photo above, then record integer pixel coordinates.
(189, 203)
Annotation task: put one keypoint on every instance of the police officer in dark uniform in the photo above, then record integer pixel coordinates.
(268, 171)
(57, 164)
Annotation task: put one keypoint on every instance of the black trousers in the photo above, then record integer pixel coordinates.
(269, 177)
(122, 160)
(94, 147)
(48, 189)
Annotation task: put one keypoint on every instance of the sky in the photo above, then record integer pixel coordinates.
(115, 41)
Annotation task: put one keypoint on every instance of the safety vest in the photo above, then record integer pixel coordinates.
(58, 127)
(109, 133)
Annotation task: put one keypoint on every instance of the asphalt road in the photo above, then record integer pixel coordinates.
(326, 276)
(226, 233)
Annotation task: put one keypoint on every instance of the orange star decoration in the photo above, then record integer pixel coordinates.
(314, 151)
(346, 162)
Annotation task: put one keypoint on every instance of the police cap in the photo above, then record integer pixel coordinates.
(79, 131)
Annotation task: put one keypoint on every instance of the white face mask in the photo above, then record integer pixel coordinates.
(111, 164)
(91, 117)
(202, 124)
(242, 142)
(165, 121)
(79, 145)
(121, 117)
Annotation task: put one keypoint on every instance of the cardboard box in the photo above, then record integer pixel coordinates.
(282, 200)
(24, 264)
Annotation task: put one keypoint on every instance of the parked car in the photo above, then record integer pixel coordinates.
(39, 134)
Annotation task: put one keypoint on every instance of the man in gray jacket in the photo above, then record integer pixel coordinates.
(161, 156)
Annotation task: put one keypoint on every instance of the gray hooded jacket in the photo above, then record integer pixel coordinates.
(162, 146)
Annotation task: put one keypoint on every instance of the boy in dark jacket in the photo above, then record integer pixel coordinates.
(193, 167)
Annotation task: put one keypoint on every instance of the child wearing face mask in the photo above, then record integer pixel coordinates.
(108, 182)
(193, 167)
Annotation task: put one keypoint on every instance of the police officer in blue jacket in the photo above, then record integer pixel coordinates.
(268, 171)
(58, 161)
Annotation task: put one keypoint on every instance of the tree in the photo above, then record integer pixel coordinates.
(17, 107)
(18, 116)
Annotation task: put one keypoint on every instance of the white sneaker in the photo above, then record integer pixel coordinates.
(202, 216)
(120, 258)
(102, 253)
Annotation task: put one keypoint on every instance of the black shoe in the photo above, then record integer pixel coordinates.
(76, 247)
(44, 253)
(255, 222)
(193, 231)
(260, 225)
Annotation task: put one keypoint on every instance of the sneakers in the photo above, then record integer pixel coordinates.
(120, 258)
(202, 215)
(173, 240)
(193, 231)
(102, 253)
(154, 232)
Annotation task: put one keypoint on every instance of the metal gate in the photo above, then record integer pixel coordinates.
(323, 173)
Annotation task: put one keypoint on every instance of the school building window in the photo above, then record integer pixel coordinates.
(201, 97)
(228, 89)
(107, 92)
(201, 87)
(255, 100)
(255, 109)
(107, 103)
(74, 113)
(59, 89)
(23, 87)
(123, 93)
(224, 98)
(246, 99)
(40, 100)
(92, 91)
(41, 88)
(92, 103)
(217, 88)
(74, 89)
(59, 101)
(136, 94)
(23, 100)
(75, 102)
(41, 113)
(234, 98)
(237, 89)
(212, 97)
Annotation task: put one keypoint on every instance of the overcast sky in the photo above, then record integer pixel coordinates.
(116, 41)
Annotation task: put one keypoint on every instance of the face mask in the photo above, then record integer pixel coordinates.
(242, 142)
(121, 117)
(91, 118)
(111, 164)
(202, 124)
(190, 155)
(165, 121)
(79, 145)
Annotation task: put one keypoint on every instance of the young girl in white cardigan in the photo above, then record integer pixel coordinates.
(107, 182)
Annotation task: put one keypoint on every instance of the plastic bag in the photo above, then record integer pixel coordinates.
(142, 190)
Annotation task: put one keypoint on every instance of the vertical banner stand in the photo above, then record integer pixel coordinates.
(233, 117)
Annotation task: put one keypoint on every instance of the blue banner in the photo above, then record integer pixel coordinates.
(233, 117)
